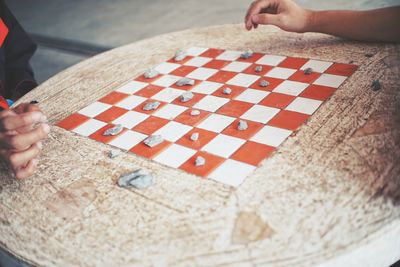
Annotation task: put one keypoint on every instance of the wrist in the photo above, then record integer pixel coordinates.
(311, 21)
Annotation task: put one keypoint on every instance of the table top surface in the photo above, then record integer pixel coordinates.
(329, 190)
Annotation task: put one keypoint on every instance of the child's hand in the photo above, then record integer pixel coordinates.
(285, 14)
(21, 131)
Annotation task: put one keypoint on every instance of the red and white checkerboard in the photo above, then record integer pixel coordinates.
(272, 112)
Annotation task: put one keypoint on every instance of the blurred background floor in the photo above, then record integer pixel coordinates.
(104, 24)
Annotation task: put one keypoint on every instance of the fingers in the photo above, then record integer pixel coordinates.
(254, 9)
(18, 160)
(266, 19)
(24, 140)
(26, 107)
(27, 171)
(10, 121)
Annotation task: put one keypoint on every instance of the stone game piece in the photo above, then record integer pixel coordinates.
(376, 85)
(194, 137)
(180, 55)
(150, 73)
(227, 91)
(264, 83)
(151, 105)
(112, 154)
(153, 140)
(242, 125)
(137, 179)
(186, 96)
(195, 112)
(308, 71)
(258, 69)
(199, 161)
(114, 130)
(247, 54)
(185, 81)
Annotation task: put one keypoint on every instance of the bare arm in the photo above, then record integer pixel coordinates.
(372, 25)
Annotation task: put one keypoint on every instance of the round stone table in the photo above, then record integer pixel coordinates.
(330, 195)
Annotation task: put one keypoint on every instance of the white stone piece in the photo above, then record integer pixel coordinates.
(242, 125)
(114, 130)
(150, 73)
(112, 154)
(195, 112)
(180, 55)
(199, 161)
(186, 96)
(227, 91)
(151, 105)
(136, 179)
(194, 137)
(247, 54)
(258, 69)
(153, 140)
(185, 81)
(264, 83)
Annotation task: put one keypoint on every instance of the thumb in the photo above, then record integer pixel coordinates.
(266, 19)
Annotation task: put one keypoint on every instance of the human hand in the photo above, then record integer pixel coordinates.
(285, 14)
(21, 132)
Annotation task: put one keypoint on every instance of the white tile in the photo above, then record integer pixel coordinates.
(94, 109)
(280, 73)
(166, 81)
(271, 136)
(201, 74)
(130, 119)
(131, 102)
(206, 87)
(231, 172)
(127, 140)
(229, 55)
(317, 65)
(252, 96)
(169, 111)
(330, 80)
(132, 87)
(244, 80)
(168, 94)
(216, 123)
(271, 60)
(197, 61)
(175, 155)
(166, 67)
(259, 113)
(291, 88)
(236, 66)
(172, 131)
(211, 103)
(89, 127)
(304, 105)
(223, 145)
(196, 51)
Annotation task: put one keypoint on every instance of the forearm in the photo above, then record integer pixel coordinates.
(372, 25)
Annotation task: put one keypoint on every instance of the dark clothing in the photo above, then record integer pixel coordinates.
(16, 75)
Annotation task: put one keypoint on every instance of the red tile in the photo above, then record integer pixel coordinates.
(236, 90)
(183, 71)
(293, 63)
(299, 76)
(72, 121)
(150, 125)
(222, 76)
(211, 162)
(186, 87)
(196, 98)
(216, 64)
(253, 58)
(149, 91)
(273, 82)
(113, 98)
(149, 152)
(140, 107)
(342, 69)
(186, 59)
(289, 120)
(111, 114)
(141, 78)
(318, 92)
(253, 128)
(277, 100)
(251, 69)
(212, 52)
(99, 137)
(252, 153)
(188, 119)
(204, 137)
(235, 108)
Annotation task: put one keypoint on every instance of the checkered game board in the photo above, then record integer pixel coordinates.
(272, 113)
